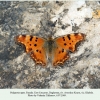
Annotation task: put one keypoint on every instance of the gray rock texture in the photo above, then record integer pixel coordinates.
(56, 18)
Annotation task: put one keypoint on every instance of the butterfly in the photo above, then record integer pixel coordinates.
(57, 50)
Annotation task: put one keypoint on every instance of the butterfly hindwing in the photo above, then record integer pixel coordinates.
(60, 56)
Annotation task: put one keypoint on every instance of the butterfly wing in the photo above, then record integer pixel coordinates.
(35, 46)
(64, 44)
(59, 56)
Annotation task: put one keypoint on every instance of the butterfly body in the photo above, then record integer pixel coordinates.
(56, 50)
(50, 45)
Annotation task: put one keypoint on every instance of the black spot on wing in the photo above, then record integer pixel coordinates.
(36, 39)
(68, 36)
(65, 44)
(62, 50)
(35, 45)
(63, 38)
(37, 50)
(31, 38)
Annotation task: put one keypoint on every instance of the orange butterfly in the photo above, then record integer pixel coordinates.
(56, 50)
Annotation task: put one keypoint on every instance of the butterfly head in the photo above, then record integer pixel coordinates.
(49, 37)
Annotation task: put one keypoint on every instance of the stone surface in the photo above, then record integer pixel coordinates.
(56, 18)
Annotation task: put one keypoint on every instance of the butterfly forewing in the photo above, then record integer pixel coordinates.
(68, 42)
